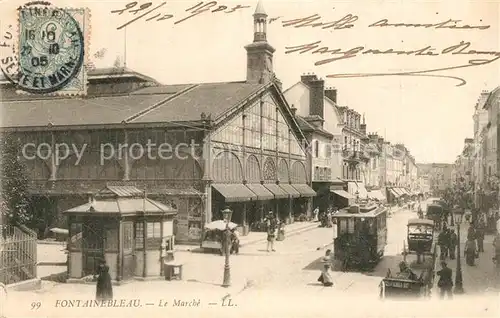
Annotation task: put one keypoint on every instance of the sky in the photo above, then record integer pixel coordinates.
(430, 115)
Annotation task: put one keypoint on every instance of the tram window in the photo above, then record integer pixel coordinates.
(350, 226)
(343, 226)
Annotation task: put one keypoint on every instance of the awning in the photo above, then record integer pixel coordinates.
(276, 190)
(235, 192)
(362, 192)
(343, 194)
(398, 191)
(394, 193)
(403, 191)
(261, 192)
(376, 194)
(290, 190)
(304, 190)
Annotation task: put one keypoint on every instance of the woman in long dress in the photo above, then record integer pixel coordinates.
(325, 278)
(470, 252)
(104, 289)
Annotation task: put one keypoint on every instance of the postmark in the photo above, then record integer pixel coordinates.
(50, 53)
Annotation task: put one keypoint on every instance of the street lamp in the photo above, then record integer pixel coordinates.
(227, 213)
(459, 288)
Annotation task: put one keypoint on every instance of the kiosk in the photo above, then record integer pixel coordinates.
(123, 227)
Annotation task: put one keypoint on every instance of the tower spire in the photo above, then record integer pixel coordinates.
(364, 119)
(260, 23)
(260, 8)
(260, 52)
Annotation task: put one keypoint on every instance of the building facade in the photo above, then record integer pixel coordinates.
(439, 175)
(200, 147)
(463, 167)
(318, 106)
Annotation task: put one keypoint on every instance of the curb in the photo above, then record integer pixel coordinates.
(292, 233)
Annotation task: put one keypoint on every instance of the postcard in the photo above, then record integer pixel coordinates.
(249, 158)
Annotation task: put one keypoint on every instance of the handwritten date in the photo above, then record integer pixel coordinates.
(150, 14)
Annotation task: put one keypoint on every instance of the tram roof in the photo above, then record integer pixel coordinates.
(420, 221)
(370, 214)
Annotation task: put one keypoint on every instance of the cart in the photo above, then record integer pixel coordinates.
(421, 243)
(420, 236)
(214, 234)
(401, 285)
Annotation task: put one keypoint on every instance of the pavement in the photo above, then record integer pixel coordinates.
(264, 284)
(482, 278)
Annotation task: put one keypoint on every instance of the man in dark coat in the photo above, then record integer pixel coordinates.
(104, 289)
(443, 242)
(445, 282)
(453, 243)
(480, 230)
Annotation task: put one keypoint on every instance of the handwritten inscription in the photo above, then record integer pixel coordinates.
(150, 14)
(461, 48)
(448, 24)
(347, 22)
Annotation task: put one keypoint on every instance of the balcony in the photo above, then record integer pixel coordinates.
(353, 158)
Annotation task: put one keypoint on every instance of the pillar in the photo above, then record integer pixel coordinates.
(145, 254)
(207, 199)
(119, 261)
(126, 172)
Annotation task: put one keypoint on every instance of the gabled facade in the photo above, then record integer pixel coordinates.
(200, 147)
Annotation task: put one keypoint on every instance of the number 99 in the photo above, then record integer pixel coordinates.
(36, 305)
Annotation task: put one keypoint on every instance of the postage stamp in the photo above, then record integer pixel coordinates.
(51, 50)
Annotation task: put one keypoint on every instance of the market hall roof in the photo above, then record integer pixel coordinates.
(144, 101)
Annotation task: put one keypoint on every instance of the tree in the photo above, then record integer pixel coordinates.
(14, 183)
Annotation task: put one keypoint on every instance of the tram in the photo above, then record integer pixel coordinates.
(361, 236)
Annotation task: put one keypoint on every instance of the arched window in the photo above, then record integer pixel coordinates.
(316, 148)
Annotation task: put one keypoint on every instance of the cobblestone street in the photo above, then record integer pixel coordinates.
(286, 278)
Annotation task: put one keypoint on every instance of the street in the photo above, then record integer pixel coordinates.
(287, 279)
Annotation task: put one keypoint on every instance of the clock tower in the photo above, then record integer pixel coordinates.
(259, 53)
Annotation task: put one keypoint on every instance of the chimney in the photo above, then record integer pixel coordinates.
(316, 94)
(362, 127)
(331, 93)
(307, 78)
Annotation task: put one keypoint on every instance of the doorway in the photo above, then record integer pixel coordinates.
(93, 245)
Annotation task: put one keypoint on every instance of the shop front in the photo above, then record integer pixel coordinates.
(235, 196)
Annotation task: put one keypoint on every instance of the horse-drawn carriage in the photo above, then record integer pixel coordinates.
(416, 278)
(435, 212)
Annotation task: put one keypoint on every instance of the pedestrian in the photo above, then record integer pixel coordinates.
(235, 242)
(445, 282)
(325, 278)
(104, 288)
(271, 231)
(316, 213)
(470, 252)
(480, 237)
(443, 242)
(329, 218)
(453, 243)
(496, 246)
